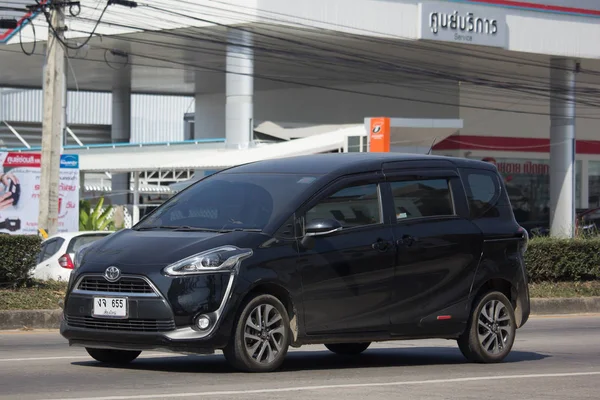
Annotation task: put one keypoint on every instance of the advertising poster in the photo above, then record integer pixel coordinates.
(20, 175)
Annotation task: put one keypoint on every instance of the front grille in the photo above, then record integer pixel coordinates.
(123, 285)
(130, 325)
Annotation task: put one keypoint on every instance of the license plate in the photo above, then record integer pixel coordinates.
(110, 307)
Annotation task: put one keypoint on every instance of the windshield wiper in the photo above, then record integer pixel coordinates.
(193, 229)
(177, 228)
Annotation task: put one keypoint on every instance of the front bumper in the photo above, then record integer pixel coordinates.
(180, 340)
(160, 313)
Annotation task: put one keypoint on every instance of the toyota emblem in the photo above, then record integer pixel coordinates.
(112, 274)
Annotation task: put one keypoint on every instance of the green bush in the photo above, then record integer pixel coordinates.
(96, 219)
(18, 255)
(562, 260)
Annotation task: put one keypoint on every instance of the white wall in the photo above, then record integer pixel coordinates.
(320, 106)
(479, 122)
(153, 118)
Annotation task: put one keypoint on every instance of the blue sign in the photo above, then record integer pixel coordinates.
(70, 161)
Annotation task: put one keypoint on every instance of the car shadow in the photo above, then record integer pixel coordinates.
(312, 360)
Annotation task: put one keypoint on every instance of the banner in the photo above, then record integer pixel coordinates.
(20, 175)
(379, 135)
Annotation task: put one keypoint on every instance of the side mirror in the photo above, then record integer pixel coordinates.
(320, 227)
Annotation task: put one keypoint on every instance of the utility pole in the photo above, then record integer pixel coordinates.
(52, 125)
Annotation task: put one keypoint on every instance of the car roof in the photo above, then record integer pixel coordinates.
(337, 163)
(71, 235)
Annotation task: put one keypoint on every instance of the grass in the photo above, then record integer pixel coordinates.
(38, 296)
(46, 295)
(564, 289)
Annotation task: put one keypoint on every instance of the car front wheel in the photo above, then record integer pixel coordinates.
(261, 337)
(110, 356)
(490, 333)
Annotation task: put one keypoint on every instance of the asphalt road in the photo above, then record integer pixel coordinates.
(553, 358)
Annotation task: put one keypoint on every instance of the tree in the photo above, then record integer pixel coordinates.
(96, 219)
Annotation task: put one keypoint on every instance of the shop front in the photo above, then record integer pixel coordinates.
(527, 174)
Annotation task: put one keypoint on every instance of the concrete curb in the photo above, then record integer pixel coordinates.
(574, 305)
(50, 319)
(33, 319)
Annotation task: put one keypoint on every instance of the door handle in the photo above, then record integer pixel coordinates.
(381, 245)
(406, 240)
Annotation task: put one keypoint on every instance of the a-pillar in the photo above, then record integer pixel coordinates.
(239, 90)
(562, 147)
(121, 129)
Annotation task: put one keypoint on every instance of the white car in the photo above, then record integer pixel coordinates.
(55, 260)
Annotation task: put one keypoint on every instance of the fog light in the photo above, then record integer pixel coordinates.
(203, 322)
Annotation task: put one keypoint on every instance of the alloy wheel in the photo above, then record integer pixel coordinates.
(494, 327)
(264, 333)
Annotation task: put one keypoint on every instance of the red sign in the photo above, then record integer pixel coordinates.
(32, 160)
(524, 167)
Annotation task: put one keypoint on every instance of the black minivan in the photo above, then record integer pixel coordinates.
(338, 249)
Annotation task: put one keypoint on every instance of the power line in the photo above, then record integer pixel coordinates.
(362, 62)
(490, 83)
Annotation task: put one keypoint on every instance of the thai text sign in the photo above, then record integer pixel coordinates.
(20, 175)
(462, 23)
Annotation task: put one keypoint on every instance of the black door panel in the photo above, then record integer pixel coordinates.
(438, 250)
(435, 270)
(347, 276)
(346, 281)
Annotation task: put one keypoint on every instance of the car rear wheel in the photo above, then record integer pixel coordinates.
(490, 333)
(261, 336)
(348, 349)
(113, 356)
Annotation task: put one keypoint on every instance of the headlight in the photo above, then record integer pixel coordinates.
(219, 259)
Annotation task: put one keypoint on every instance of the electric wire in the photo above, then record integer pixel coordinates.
(501, 85)
(476, 82)
(442, 76)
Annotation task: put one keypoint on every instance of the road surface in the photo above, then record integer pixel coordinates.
(553, 358)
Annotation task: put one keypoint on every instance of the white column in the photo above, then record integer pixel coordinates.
(209, 116)
(121, 128)
(239, 109)
(136, 197)
(562, 147)
(585, 184)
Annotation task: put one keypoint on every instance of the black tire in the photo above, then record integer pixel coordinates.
(237, 352)
(110, 356)
(485, 348)
(348, 349)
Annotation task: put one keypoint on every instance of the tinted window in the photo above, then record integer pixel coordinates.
(232, 201)
(49, 249)
(352, 206)
(423, 198)
(483, 191)
(79, 241)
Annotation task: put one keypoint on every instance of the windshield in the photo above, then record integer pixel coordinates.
(230, 201)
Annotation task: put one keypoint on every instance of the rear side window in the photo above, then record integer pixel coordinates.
(49, 249)
(483, 191)
(422, 198)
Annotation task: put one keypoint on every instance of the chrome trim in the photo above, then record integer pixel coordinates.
(156, 293)
(323, 233)
(191, 333)
(186, 333)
